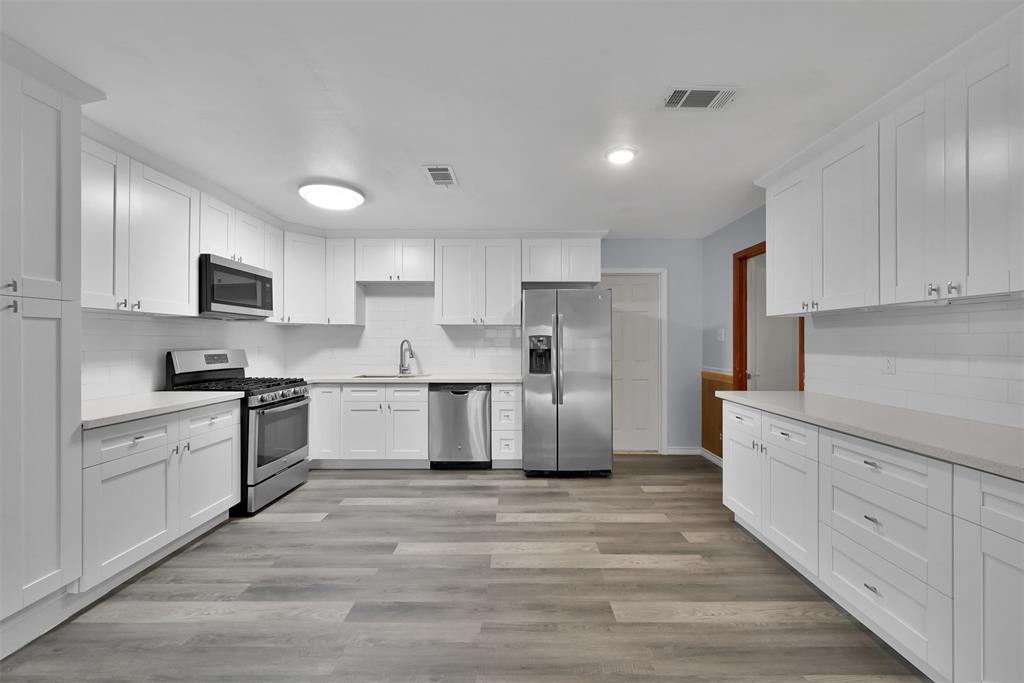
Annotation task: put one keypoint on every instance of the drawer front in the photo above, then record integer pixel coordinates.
(506, 416)
(912, 615)
(506, 392)
(911, 535)
(914, 476)
(506, 445)
(363, 392)
(741, 417)
(795, 437)
(989, 501)
(118, 441)
(406, 392)
(209, 418)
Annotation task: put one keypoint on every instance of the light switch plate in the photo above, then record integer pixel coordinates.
(889, 366)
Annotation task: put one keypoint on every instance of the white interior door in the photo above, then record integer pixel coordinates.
(772, 347)
(636, 361)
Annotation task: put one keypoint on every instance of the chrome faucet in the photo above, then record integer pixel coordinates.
(403, 361)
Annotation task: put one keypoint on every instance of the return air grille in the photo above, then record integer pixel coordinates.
(699, 98)
(441, 175)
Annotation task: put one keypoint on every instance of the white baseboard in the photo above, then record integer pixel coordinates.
(708, 455)
(681, 450)
(339, 464)
(506, 464)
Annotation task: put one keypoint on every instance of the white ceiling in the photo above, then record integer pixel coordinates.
(521, 98)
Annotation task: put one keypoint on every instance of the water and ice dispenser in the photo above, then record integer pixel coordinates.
(540, 354)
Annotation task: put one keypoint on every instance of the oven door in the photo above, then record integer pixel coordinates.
(278, 438)
(232, 289)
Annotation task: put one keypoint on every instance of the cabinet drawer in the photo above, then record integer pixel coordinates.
(363, 392)
(989, 501)
(506, 416)
(406, 392)
(506, 393)
(916, 538)
(925, 480)
(741, 417)
(506, 445)
(795, 437)
(118, 441)
(208, 419)
(912, 615)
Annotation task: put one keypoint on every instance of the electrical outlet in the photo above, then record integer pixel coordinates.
(889, 367)
(720, 334)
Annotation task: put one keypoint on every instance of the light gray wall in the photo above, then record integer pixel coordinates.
(682, 260)
(716, 287)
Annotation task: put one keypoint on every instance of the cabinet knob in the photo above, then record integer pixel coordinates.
(950, 288)
(12, 285)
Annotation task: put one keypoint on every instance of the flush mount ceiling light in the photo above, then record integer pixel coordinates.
(331, 196)
(620, 155)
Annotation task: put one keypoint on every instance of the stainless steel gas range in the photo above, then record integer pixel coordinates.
(275, 420)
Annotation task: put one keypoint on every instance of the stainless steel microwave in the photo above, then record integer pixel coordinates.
(234, 290)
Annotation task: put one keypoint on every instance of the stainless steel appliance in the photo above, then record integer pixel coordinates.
(460, 424)
(567, 380)
(274, 426)
(234, 290)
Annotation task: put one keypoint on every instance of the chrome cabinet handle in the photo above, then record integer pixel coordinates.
(188, 446)
(13, 306)
(481, 321)
(871, 463)
(123, 303)
(474, 319)
(764, 449)
(138, 437)
(803, 305)
(814, 305)
(932, 289)
(137, 305)
(950, 288)
(390, 277)
(328, 321)
(871, 588)
(784, 435)
(12, 285)
(873, 520)
(398, 277)
(753, 444)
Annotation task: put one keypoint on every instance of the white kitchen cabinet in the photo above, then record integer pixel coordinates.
(209, 476)
(304, 278)
(791, 503)
(163, 258)
(394, 260)
(382, 422)
(913, 260)
(364, 427)
(743, 474)
(40, 449)
(477, 282)
(274, 253)
(104, 227)
(407, 430)
(792, 225)
(250, 240)
(346, 300)
(325, 422)
(556, 260)
(216, 227)
(40, 204)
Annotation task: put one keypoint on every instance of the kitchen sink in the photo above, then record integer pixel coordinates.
(389, 376)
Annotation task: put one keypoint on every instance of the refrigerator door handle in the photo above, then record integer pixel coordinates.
(561, 371)
(554, 359)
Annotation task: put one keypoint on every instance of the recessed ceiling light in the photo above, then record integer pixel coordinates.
(621, 155)
(330, 196)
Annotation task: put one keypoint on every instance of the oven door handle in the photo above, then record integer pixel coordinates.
(288, 406)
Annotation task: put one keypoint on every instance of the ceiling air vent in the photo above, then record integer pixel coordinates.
(441, 175)
(700, 98)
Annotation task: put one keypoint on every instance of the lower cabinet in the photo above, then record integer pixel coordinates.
(743, 475)
(209, 476)
(365, 428)
(325, 422)
(384, 430)
(407, 431)
(790, 505)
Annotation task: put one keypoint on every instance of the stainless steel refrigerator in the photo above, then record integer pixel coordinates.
(567, 380)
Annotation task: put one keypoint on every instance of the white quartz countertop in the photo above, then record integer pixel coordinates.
(101, 412)
(443, 378)
(978, 445)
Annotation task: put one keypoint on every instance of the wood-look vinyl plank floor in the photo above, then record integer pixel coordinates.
(473, 577)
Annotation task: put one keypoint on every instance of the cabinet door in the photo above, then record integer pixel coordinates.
(304, 278)
(847, 261)
(40, 200)
(407, 431)
(414, 260)
(345, 299)
(500, 289)
(325, 422)
(209, 476)
(104, 227)
(275, 264)
(40, 449)
(912, 211)
(364, 431)
(793, 227)
(742, 475)
(250, 246)
(542, 260)
(581, 260)
(456, 273)
(988, 605)
(216, 227)
(375, 260)
(130, 510)
(163, 257)
(791, 505)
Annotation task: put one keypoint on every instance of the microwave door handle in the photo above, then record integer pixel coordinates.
(554, 359)
(561, 363)
(281, 409)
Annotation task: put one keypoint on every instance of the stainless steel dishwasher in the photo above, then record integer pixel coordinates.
(460, 425)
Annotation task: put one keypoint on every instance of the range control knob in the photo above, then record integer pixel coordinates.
(265, 398)
(286, 393)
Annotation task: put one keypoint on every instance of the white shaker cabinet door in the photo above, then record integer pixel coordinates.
(104, 227)
(274, 252)
(456, 270)
(791, 505)
(793, 228)
(345, 299)
(407, 431)
(414, 260)
(363, 425)
(325, 422)
(209, 475)
(375, 260)
(742, 477)
(581, 260)
(250, 243)
(304, 278)
(216, 227)
(164, 244)
(500, 286)
(542, 260)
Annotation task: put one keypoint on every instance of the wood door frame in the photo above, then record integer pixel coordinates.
(739, 320)
(662, 274)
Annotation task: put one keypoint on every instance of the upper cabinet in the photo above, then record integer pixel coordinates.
(394, 260)
(274, 252)
(477, 282)
(305, 259)
(230, 233)
(39, 194)
(558, 260)
(104, 227)
(792, 229)
(345, 299)
(250, 245)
